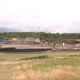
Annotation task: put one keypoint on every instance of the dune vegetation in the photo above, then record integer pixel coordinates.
(40, 66)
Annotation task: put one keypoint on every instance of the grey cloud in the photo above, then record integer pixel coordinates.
(61, 29)
(4, 29)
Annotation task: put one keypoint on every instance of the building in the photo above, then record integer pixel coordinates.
(25, 41)
(70, 44)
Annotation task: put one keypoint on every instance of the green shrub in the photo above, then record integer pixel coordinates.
(36, 57)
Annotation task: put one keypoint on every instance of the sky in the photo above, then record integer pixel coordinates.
(54, 16)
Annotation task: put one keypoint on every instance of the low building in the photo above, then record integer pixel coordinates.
(25, 41)
(70, 44)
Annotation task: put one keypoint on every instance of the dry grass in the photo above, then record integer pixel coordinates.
(59, 66)
(55, 74)
(24, 71)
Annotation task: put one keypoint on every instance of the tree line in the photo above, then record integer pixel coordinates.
(45, 37)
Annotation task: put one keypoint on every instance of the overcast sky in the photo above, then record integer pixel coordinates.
(40, 15)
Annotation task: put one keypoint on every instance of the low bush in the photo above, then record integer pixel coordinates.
(36, 57)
